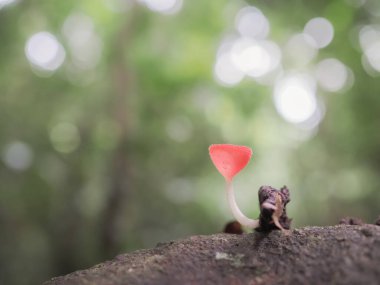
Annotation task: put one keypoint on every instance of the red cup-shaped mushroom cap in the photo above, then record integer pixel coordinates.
(229, 159)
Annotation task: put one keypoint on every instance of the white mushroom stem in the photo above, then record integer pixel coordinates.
(239, 216)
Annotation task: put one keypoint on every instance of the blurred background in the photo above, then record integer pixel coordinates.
(107, 109)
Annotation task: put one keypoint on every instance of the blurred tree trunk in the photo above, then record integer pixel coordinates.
(123, 112)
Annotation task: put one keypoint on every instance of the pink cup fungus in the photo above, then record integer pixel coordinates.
(229, 160)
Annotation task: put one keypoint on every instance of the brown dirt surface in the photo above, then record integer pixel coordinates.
(342, 254)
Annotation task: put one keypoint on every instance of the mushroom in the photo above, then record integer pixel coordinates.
(229, 160)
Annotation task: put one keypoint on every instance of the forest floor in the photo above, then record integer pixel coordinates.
(342, 254)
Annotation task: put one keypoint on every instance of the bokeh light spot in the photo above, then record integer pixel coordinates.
(250, 57)
(372, 7)
(17, 156)
(294, 98)
(44, 51)
(321, 30)
(369, 38)
(84, 43)
(300, 49)
(242, 56)
(255, 58)
(356, 3)
(332, 74)
(4, 3)
(65, 137)
(226, 72)
(163, 6)
(251, 22)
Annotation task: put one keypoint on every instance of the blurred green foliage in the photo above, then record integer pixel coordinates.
(111, 156)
